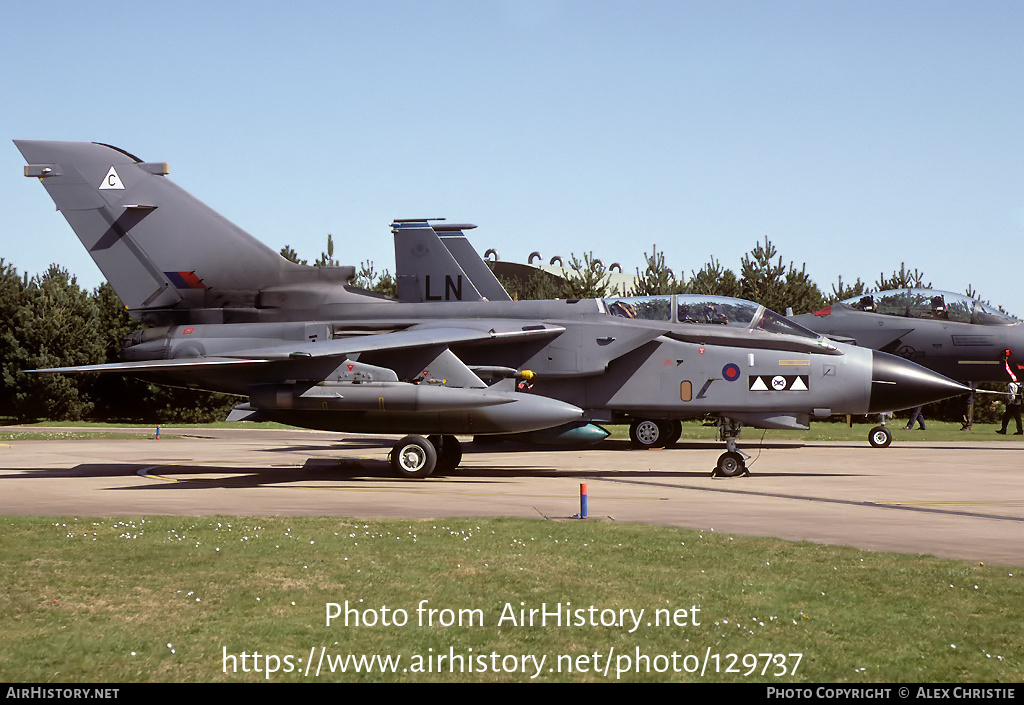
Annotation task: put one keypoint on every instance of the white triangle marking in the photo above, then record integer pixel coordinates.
(798, 385)
(758, 385)
(111, 181)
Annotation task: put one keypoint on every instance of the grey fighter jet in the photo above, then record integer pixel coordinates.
(428, 252)
(226, 313)
(952, 334)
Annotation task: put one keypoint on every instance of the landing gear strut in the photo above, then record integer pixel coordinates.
(732, 462)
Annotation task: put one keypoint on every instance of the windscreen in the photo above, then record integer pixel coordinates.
(648, 308)
(774, 323)
(696, 308)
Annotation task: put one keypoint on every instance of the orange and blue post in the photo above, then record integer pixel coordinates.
(583, 500)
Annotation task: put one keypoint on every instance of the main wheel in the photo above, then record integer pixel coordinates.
(645, 433)
(730, 464)
(449, 453)
(675, 430)
(413, 457)
(880, 437)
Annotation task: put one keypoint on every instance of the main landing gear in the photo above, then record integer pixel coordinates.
(648, 433)
(417, 457)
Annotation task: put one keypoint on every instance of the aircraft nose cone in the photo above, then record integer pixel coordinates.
(900, 384)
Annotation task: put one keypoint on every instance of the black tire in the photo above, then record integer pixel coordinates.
(449, 453)
(730, 464)
(645, 433)
(880, 437)
(413, 457)
(674, 431)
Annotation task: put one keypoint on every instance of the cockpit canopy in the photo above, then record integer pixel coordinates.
(698, 308)
(930, 303)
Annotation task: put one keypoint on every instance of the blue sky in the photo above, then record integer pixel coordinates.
(854, 135)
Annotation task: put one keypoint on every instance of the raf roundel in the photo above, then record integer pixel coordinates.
(731, 372)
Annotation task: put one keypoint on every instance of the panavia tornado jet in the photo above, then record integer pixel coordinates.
(305, 347)
(434, 261)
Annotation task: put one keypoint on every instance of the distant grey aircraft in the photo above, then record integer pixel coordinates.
(952, 334)
(226, 313)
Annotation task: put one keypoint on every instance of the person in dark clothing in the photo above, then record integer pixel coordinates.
(917, 414)
(1013, 401)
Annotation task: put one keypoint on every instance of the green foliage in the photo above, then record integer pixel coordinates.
(760, 279)
(773, 285)
(656, 278)
(367, 277)
(903, 279)
(588, 279)
(49, 321)
(164, 599)
(799, 292)
(11, 291)
(327, 258)
(291, 255)
(841, 292)
(714, 279)
(55, 324)
(540, 286)
(383, 283)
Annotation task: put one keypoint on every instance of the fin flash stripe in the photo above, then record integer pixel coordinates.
(185, 280)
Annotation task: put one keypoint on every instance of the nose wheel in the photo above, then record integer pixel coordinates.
(880, 437)
(730, 464)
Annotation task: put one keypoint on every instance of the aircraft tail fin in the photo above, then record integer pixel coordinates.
(158, 246)
(436, 262)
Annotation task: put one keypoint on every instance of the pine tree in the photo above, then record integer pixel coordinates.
(55, 325)
(588, 279)
(903, 279)
(714, 279)
(656, 278)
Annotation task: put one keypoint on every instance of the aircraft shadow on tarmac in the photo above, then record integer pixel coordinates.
(169, 476)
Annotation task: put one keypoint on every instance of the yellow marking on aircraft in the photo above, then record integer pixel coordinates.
(978, 362)
(794, 362)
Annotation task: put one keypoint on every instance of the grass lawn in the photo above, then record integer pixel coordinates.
(181, 599)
